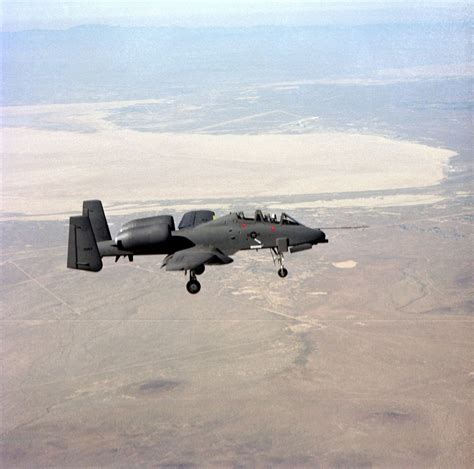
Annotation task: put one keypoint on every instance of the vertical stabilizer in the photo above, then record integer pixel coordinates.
(82, 252)
(94, 210)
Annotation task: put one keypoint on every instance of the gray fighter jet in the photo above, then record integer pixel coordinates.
(201, 239)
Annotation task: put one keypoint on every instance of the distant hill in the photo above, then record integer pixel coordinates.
(99, 63)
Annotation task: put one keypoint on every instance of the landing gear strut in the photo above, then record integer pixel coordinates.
(193, 286)
(277, 257)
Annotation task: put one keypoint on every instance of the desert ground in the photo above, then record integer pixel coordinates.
(362, 357)
(49, 172)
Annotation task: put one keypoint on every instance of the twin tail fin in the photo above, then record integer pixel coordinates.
(84, 233)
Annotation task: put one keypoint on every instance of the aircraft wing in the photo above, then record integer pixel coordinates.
(191, 258)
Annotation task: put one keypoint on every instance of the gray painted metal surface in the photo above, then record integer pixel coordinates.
(202, 239)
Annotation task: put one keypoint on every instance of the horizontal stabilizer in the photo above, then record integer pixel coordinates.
(82, 252)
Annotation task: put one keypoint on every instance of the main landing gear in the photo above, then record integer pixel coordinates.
(277, 257)
(193, 286)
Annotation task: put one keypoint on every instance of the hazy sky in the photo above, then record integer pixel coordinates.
(28, 14)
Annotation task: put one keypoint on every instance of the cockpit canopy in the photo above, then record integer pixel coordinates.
(285, 219)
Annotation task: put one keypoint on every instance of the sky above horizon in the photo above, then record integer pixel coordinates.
(59, 14)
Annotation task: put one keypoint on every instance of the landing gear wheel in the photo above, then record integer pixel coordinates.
(193, 287)
(282, 272)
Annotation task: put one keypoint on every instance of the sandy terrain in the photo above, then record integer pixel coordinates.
(345, 264)
(370, 366)
(370, 202)
(50, 172)
(361, 357)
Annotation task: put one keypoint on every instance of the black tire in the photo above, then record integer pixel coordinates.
(193, 287)
(282, 272)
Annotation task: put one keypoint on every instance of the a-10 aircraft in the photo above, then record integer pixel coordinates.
(201, 239)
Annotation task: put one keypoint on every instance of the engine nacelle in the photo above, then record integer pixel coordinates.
(141, 222)
(141, 237)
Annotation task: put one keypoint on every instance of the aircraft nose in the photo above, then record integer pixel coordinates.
(319, 237)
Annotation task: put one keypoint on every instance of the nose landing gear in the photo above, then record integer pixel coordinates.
(277, 257)
(282, 272)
